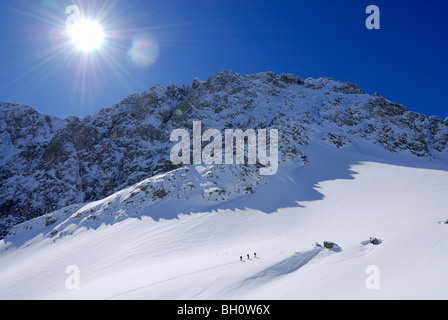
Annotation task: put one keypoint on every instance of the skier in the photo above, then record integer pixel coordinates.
(248, 257)
(255, 255)
(241, 258)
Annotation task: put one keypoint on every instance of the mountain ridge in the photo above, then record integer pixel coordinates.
(49, 163)
(172, 237)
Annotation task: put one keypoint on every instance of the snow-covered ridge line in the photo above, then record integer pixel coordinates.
(190, 187)
(180, 235)
(47, 163)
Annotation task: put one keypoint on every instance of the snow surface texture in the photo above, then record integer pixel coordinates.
(352, 167)
(132, 245)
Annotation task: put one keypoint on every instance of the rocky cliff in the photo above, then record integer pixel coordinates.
(47, 163)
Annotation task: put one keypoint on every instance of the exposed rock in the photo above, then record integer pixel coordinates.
(330, 245)
(47, 163)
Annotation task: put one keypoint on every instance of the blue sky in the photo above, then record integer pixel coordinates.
(406, 60)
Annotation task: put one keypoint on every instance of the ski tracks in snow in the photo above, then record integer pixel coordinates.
(287, 266)
(125, 294)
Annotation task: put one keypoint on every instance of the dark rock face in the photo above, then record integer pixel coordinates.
(330, 245)
(47, 163)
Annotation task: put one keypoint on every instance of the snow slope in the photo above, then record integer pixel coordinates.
(173, 248)
(47, 164)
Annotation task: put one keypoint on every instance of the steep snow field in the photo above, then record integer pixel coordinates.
(343, 196)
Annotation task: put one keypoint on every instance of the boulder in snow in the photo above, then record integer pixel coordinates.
(330, 245)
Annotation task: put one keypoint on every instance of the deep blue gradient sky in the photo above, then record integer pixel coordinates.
(405, 61)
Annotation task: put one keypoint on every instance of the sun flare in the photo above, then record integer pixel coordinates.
(86, 35)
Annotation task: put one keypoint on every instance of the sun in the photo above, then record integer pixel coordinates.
(86, 35)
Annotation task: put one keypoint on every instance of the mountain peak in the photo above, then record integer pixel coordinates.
(48, 163)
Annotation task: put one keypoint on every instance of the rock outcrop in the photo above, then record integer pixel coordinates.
(47, 163)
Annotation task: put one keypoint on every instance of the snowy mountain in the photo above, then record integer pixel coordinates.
(48, 163)
(105, 197)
